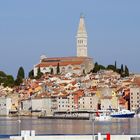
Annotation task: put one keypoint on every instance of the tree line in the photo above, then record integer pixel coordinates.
(123, 70)
(8, 80)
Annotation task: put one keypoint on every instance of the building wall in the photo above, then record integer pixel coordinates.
(134, 98)
(114, 102)
(88, 103)
(87, 65)
(105, 104)
(45, 105)
(71, 105)
(26, 105)
(62, 103)
(5, 105)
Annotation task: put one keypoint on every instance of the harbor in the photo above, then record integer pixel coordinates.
(11, 126)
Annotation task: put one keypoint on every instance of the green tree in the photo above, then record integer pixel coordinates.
(21, 73)
(111, 67)
(20, 76)
(115, 65)
(126, 71)
(58, 69)
(96, 68)
(101, 67)
(18, 81)
(31, 74)
(9, 81)
(122, 71)
(51, 71)
(2, 74)
(39, 73)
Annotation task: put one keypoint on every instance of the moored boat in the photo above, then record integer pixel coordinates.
(123, 114)
(103, 117)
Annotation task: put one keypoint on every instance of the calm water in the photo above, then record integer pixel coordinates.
(10, 126)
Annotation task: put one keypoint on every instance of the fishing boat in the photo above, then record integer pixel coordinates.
(123, 114)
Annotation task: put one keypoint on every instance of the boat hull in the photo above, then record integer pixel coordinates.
(123, 115)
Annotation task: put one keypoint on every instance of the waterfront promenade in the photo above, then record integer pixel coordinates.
(78, 137)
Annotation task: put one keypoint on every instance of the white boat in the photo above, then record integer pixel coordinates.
(123, 114)
(102, 117)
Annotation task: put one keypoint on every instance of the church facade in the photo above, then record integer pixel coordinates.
(78, 64)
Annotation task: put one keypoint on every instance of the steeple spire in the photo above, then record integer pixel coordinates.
(81, 38)
(81, 27)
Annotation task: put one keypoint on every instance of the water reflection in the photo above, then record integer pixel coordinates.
(48, 126)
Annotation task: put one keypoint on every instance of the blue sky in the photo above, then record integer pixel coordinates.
(31, 28)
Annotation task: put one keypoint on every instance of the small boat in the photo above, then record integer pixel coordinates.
(123, 114)
(102, 116)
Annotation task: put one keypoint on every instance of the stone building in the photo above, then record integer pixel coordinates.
(78, 64)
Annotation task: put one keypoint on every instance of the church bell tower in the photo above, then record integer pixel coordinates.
(81, 39)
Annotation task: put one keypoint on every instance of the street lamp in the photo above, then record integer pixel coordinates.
(92, 118)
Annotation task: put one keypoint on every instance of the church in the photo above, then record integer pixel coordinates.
(76, 64)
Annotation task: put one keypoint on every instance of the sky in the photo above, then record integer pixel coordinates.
(31, 28)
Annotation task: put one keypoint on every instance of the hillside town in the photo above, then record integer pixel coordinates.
(66, 84)
(71, 92)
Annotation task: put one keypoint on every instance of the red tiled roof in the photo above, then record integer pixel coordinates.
(71, 58)
(47, 64)
(137, 81)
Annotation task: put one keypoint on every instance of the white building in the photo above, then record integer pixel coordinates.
(134, 98)
(62, 103)
(47, 106)
(5, 105)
